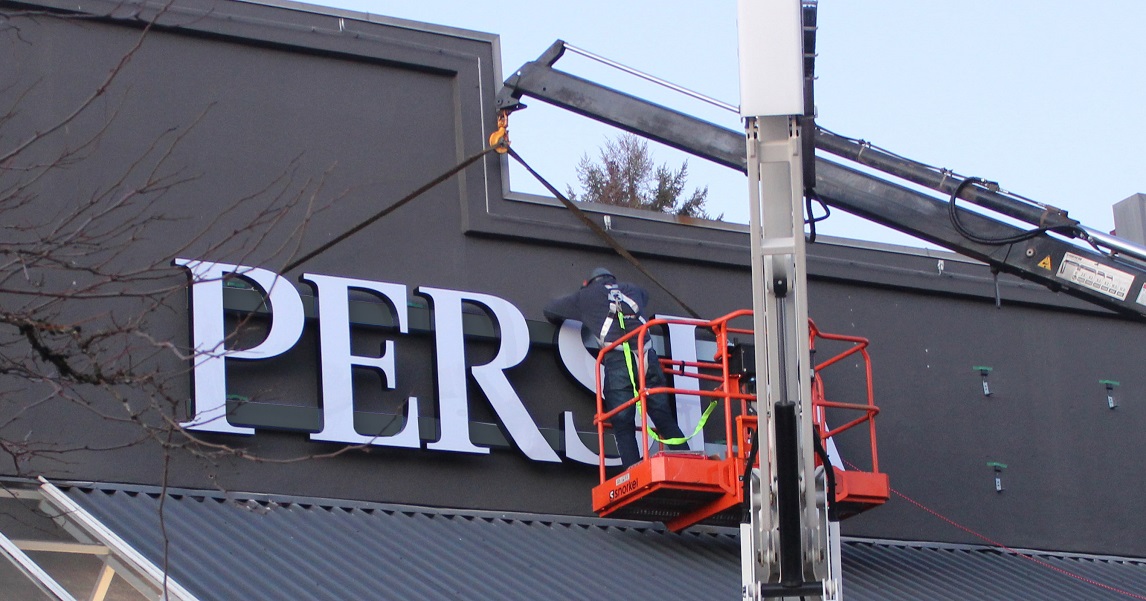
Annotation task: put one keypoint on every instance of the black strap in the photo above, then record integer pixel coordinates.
(601, 233)
(390, 209)
(466, 163)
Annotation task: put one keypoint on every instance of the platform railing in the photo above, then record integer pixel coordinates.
(728, 383)
(716, 370)
(819, 402)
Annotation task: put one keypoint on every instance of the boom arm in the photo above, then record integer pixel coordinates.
(1100, 278)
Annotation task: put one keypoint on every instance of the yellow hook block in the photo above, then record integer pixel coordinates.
(499, 139)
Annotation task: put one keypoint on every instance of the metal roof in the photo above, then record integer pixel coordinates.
(889, 570)
(245, 546)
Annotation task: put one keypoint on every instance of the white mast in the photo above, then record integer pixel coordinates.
(784, 549)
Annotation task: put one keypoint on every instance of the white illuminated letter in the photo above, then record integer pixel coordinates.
(209, 336)
(580, 363)
(576, 449)
(337, 361)
(682, 342)
(452, 398)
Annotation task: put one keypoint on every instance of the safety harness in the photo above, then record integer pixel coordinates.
(617, 301)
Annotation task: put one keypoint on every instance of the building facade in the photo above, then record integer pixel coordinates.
(164, 167)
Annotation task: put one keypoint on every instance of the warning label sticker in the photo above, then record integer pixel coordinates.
(1096, 276)
(1046, 263)
(1141, 300)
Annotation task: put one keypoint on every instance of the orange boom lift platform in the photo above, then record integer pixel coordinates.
(683, 488)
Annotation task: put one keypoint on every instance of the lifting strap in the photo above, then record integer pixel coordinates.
(601, 233)
(633, 380)
(499, 144)
(604, 235)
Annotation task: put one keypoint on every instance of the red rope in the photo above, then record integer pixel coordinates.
(1003, 547)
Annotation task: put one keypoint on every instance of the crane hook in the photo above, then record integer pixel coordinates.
(499, 139)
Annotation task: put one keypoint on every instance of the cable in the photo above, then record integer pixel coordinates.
(829, 474)
(1003, 547)
(746, 478)
(390, 209)
(500, 147)
(953, 211)
(601, 233)
(811, 221)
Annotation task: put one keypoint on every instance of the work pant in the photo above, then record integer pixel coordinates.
(619, 389)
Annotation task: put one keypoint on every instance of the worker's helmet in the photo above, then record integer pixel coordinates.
(597, 273)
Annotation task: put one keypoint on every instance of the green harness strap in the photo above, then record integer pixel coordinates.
(633, 380)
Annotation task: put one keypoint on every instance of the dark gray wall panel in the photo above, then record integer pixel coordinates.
(270, 104)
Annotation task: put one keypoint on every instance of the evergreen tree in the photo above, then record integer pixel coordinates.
(626, 175)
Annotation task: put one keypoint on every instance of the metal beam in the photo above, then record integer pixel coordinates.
(941, 181)
(632, 114)
(1093, 276)
(33, 571)
(75, 516)
(15, 492)
(103, 584)
(52, 546)
(1038, 260)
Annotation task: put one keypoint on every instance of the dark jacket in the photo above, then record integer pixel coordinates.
(590, 305)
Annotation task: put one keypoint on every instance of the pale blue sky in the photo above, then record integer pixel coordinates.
(1044, 96)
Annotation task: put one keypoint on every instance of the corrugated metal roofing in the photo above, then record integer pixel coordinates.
(880, 570)
(262, 547)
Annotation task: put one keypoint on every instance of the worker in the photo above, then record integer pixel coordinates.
(608, 309)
